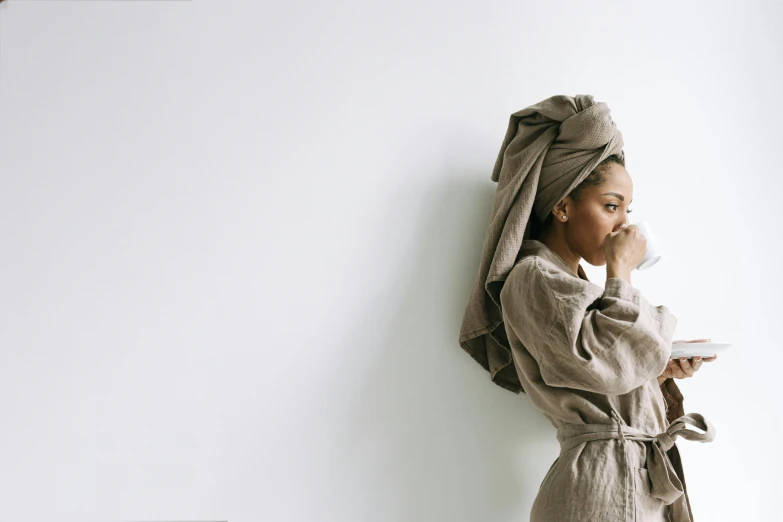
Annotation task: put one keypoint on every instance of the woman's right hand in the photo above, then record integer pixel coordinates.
(624, 249)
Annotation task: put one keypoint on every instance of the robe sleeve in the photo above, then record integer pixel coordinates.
(609, 345)
(673, 399)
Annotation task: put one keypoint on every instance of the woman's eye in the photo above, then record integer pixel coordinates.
(615, 208)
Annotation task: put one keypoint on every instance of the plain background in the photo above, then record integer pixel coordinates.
(238, 239)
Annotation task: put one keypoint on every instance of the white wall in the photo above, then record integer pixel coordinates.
(238, 239)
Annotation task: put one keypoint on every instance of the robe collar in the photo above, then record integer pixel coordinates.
(535, 247)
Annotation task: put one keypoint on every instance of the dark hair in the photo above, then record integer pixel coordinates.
(594, 179)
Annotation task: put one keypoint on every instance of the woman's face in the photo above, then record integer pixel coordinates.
(599, 211)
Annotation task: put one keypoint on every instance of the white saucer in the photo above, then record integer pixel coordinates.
(698, 349)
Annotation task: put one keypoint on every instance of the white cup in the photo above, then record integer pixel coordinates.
(653, 254)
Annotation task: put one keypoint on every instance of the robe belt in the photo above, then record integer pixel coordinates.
(667, 479)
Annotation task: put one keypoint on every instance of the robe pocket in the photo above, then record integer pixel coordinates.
(647, 506)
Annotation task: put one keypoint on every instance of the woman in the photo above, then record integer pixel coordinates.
(595, 361)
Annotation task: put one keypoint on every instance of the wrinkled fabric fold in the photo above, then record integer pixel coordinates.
(667, 478)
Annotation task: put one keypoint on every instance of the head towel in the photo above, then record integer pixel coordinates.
(549, 148)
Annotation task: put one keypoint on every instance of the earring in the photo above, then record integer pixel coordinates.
(564, 217)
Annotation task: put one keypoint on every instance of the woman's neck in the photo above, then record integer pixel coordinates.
(557, 244)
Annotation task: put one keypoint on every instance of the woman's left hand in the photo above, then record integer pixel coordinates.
(683, 368)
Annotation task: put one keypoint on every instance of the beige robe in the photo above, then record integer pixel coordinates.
(588, 358)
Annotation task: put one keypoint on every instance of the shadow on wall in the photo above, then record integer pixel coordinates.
(427, 435)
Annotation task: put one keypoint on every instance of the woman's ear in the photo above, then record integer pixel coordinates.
(560, 210)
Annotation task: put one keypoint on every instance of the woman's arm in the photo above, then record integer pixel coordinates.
(673, 399)
(609, 344)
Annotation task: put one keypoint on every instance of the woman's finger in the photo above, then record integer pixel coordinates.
(686, 366)
(676, 369)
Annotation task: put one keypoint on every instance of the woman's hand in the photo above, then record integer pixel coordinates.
(624, 249)
(683, 368)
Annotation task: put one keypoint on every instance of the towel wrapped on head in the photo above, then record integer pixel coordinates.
(549, 149)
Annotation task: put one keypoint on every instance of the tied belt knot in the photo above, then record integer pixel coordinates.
(667, 479)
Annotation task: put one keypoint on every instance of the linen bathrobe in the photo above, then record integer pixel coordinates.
(589, 357)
